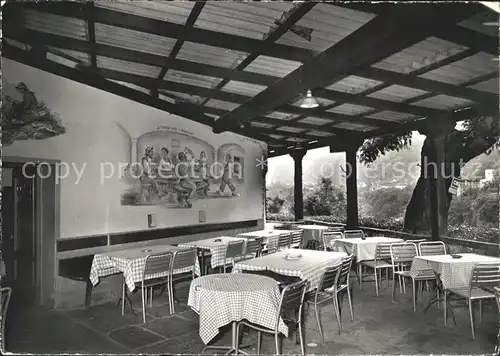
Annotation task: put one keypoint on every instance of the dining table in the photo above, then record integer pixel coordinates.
(214, 247)
(305, 264)
(222, 299)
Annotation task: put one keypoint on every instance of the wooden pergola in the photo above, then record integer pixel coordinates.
(376, 69)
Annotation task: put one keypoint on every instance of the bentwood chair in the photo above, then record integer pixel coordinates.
(430, 248)
(380, 263)
(329, 238)
(351, 234)
(325, 292)
(296, 238)
(157, 271)
(484, 278)
(402, 255)
(6, 292)
(182, 260)
(292, 299)
(234, 248)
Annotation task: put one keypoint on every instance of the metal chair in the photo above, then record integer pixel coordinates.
(351, 234)
(157, 270)
(253, 246)
(284, 241)
(484, 278)
(497, 297)
(234, 248)
(402, 255)
(6, 292)
(381, 262)
(325, 290)
(429, 248)
(344, 284)
(296, 238)
(182, 259)
(292, 298)
(329, 238)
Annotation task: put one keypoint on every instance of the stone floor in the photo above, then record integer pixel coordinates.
(379, 327)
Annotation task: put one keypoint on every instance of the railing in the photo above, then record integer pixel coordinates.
(454, 245)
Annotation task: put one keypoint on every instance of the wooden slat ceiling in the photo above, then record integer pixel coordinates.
(375, 68)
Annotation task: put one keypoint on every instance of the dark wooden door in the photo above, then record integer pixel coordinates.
(18, 220)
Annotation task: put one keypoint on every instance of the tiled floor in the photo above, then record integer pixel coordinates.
(379, 327)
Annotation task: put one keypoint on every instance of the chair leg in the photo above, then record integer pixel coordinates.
(123, 297)
(445, 302)
(349, 299)
(171, 296)
(143, 305)
(336, 309)
(480, 310)
(376, 281)
(301, 333)
(277, 343)
(393, 287)
(317, 319)
(471, 314)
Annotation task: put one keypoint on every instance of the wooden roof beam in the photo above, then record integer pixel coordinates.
(386, 34)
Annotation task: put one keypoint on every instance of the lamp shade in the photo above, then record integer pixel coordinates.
(309, 101)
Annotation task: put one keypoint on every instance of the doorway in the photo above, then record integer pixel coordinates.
(19, 247)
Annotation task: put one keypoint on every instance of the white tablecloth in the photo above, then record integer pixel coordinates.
(454, 272)
(130, 262)
(220, 299)
(308, 267)
(217, 249)
(364, 250)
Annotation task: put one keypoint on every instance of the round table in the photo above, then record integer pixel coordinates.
(312, 232)
(220, 299)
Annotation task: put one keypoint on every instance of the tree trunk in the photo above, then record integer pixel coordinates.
(457, 153)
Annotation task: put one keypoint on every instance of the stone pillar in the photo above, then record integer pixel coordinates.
(133, 153)
(298, 195)
(352, 184)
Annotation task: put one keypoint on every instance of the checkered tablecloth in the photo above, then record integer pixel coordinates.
(269, 238)
(308, 267)
(130, 262)
(364, 250)
(220, 299)
(216, 248)
(454, 273)
(312, 232)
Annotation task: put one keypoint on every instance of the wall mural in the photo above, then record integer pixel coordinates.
(24, 117)
(175, 168)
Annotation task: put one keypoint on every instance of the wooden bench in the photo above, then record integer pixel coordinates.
(78, 269)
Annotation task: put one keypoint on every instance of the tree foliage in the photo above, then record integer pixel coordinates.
(324, 198)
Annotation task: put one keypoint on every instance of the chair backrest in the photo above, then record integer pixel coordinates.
(416, 241)
(253, 246)
(292, 297)
(6, 292)
(157, 263)
(350, 234)
(382, 252)
(485, 275)
(345, 271)
(234, 248)
(329, 237)
(284, 240)
(429, 248)
(296, 237)
(184, 258)
(402, 255)
(329, 277)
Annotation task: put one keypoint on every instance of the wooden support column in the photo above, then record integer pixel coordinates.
(298, 195)
(352, 184)
(436, 171)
